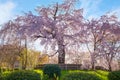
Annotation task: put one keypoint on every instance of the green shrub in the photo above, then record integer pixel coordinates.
(4, 75)
(0, 70)
(24, 75)
(45, 77)
(115, 75)
(52, 70)
(80, 76)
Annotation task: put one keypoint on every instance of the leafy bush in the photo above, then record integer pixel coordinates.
(115, 75)
(0, 70)
(52, 70)
(24, 75)
(45, 77)
(4, 75)
(80, 76)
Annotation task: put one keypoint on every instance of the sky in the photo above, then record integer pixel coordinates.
(92, 8)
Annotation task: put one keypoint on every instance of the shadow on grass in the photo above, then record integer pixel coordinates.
(115, 75)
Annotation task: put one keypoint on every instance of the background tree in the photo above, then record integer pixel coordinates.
(94, 36)
(110, 45)
(97, 32)
(9, 55)
(43, 59)
(32, 59)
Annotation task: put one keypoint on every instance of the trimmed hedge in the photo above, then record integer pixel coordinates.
(24, 75)
(115, 75)
(81, 76)
(53, 71)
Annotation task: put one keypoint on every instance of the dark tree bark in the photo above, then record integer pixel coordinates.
(61, 52)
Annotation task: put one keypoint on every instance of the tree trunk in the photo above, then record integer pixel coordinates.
(93, 66)
(26, 53)
(61, 52)
(109, 66)
(93, 62)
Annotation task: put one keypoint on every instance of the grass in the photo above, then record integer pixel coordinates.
(102, 74)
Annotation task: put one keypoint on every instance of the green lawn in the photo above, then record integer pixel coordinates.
(69, 74)
(102, 74)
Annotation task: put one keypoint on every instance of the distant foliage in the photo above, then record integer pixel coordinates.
(80, 76)
(53, 71)
(115, 75)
